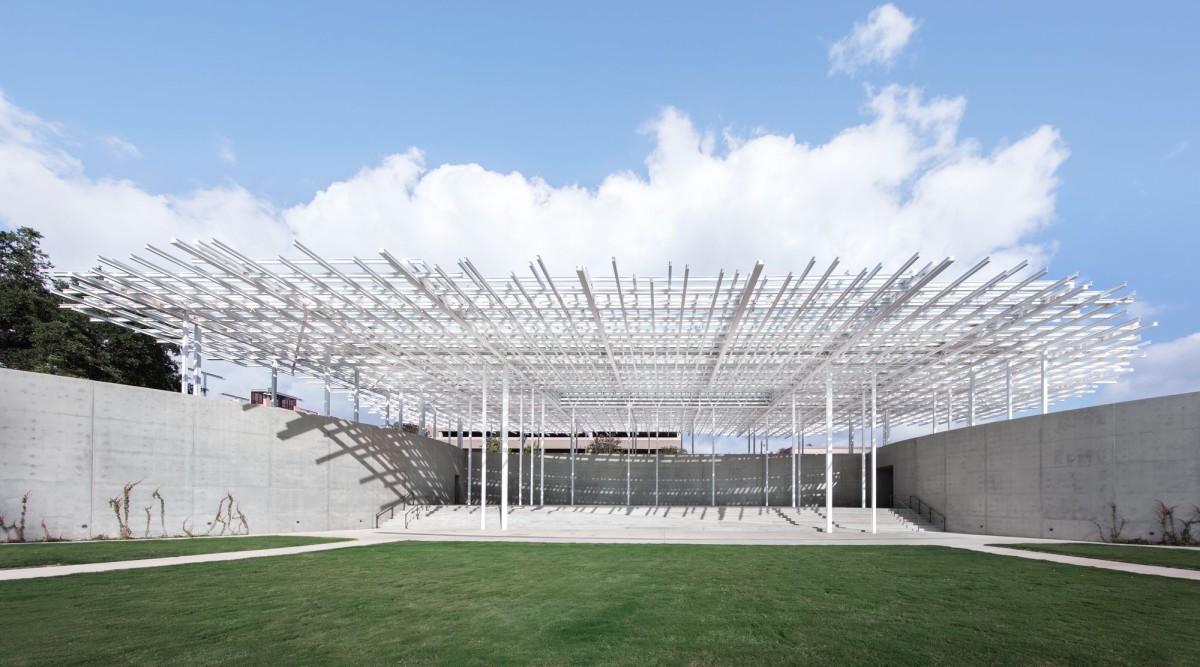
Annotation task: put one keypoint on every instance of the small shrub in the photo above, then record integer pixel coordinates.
(670, 450)
(47, 537)
(162, 511)
(1172, 534)
(17, 527)
(1117, 524)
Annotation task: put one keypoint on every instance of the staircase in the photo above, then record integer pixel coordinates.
(588, 518)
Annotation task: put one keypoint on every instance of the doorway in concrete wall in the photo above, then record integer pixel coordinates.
(885, 489)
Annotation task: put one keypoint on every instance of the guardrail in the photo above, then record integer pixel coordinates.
(409, 515)
(390, 508)
(923, 509)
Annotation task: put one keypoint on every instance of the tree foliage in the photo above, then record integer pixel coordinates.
(36, 335)
(604, 444)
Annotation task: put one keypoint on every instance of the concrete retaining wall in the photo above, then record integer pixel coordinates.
(682, 479)
(75, 443)
(1053, 475)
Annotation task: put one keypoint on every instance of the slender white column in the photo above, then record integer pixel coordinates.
(421, 424)
(795, 457)
(521, 453)
(197, 358)
(874, 459)
(800, 463)
(470, 445)
(1008, 389)
(572, 441)
(971, 401)
(862, 452)
(829, 451)
(185, 349)
(1045, 386)
(629, 455)
(357, 394)
(504, 451)
(949, 408)
(328, 384)
(656, 455)
(483, 424)
(542, 449)
(714, 457)
(766, 465)
(400, 411)
(532, 443)
(274, 383)
(933, 426)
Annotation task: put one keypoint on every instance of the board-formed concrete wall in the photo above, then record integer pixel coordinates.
(683, 479)
(1054, 475)
(73, 444)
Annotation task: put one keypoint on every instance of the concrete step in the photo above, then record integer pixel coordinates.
(605, 518)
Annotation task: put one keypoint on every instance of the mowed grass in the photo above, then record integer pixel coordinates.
(1142, 555)
(559, 604)
(37, 554)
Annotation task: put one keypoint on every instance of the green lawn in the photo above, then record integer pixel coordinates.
(508, 604)
(36, 554)
(1142, 555)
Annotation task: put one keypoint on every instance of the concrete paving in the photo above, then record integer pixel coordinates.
(357, 538)
(620, 525)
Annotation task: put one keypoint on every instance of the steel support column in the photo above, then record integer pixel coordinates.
(328, 381)
(542, 449)
(971, 400)
(1008, 390)
(572, 440)
(483, 452)
(357, 394)
(862, 452)
(521, 453)
(829, 451)
(874, 458)
(504, 451)
(1045, 385)
(795, 457)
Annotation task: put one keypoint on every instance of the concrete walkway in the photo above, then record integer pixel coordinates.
(978, 543)
(357, 538)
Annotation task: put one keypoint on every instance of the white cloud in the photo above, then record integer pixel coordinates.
(1179, 149)
(903, 181)
(1168, 368)
(225, 151)
(878, 41)
(120, 148)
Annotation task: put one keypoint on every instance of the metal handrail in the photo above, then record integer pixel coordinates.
(415, 510)
(390, 508)
(919, 504)
(907, 515)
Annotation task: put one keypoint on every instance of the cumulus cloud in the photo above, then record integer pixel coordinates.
(902, 181)
(878, 41)
(1168, 368)
(120, 148)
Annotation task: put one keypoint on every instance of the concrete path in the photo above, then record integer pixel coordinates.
(358, 538)
(978, 543)
(1173, 572)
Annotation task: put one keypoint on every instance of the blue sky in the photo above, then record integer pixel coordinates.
(179, 115)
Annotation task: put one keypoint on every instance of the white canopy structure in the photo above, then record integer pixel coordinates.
(725, 354)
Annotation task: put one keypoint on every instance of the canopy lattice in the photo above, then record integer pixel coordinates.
(722, 354)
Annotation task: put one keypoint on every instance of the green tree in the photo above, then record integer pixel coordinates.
(37, 335)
